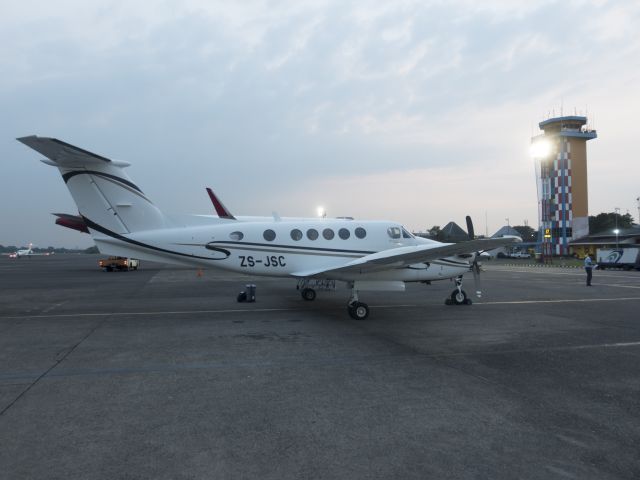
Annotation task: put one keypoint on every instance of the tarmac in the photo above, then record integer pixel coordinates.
(160, 373)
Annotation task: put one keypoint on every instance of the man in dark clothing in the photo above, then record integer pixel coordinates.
(588, 267)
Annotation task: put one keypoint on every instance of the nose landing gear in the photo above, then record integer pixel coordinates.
(458, 296)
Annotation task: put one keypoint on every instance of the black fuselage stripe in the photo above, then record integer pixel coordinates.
(292, 247)
(281, 250)
(117, 236)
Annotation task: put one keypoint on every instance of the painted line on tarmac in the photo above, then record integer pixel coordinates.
(174, 312)
(268, 310)
(574, 274)
(606, 345)
(616, 285)
(567, 300)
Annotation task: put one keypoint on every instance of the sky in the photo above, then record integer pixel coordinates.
(414, 111)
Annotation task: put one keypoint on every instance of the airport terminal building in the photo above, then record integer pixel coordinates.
(560, 155)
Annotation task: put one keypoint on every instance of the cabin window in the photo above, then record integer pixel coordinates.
(269, 235)
(237, 236)
(406, 234)
(296, 234)
(394, 232)
(328, 234)
(361, 232)
(343, 233)
(312, 234)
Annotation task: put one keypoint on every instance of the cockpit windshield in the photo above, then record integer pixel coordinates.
(394, 232)
(398, 232)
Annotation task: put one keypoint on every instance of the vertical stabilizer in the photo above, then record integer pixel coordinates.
(105, 195)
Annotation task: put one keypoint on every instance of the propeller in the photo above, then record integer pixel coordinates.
(475, 267)
(470, 230)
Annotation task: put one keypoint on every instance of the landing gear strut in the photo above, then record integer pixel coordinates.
(357, 310)
(458, 296)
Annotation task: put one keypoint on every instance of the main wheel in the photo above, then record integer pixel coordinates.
(308, 294)
(358, 310)
(242, 297)
(459, 297)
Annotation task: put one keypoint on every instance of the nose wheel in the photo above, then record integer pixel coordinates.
(458, 296)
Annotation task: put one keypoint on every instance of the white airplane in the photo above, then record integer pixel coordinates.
(26, 252)
(367, 255)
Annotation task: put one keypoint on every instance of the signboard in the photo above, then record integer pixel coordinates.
(547, 233)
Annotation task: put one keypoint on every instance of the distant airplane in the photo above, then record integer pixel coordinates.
(367, 255)
(26, 252)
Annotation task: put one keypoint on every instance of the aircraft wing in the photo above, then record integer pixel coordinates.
(64, 154)
(403, 256)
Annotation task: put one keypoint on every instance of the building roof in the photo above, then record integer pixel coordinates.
(566, 119)
(506, 230)
(451, 232)
(626, 236)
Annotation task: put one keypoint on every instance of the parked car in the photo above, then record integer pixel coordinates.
(520, 255)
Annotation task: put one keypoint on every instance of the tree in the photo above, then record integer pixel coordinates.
(435, 232)
(606, 222)
(527, 233)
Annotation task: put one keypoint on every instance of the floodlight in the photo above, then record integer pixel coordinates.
(540, 148)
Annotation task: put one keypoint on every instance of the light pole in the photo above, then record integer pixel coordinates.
(616, 231)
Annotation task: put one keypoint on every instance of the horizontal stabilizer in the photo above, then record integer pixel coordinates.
(74, 222)
(64, 154)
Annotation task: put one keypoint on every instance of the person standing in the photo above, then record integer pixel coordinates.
(588, 267)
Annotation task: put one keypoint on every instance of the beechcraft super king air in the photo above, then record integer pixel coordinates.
(367, 255)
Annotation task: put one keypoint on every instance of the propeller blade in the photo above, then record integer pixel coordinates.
(475, 268)
(470, 230)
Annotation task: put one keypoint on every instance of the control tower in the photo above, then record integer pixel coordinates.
(560, 155)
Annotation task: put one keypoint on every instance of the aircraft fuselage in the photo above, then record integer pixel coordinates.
(281, 248)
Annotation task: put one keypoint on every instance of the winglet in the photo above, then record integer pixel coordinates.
(221, 210)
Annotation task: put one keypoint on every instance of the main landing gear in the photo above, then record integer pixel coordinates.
(308, 287)
(458, 296)
(309, 294)
(357, 310)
